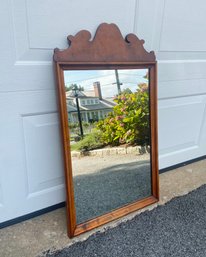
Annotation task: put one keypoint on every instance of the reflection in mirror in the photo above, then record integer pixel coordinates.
(109, 124)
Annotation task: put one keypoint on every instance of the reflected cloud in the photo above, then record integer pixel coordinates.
(129, 78)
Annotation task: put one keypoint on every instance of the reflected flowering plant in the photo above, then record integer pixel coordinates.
(129, 121)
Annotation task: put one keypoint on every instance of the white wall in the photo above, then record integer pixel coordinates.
(31, 170)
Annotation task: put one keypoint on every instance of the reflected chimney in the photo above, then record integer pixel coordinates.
(97, 90)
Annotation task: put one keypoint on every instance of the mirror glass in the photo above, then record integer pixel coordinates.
(109, 126)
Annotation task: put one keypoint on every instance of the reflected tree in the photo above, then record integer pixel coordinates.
(74, 87)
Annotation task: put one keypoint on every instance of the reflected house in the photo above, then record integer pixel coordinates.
(91, 105)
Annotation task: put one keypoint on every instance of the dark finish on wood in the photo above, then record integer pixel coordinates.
(108, 50)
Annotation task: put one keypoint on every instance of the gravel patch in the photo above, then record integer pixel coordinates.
(110, 188)
(177, 229)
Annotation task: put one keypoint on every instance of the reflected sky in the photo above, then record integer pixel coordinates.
(129, 78)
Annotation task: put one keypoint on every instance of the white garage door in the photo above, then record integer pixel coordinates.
(31, 170)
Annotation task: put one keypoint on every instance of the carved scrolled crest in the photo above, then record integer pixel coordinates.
(108, 45)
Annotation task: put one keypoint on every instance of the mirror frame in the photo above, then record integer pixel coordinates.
(107, 50)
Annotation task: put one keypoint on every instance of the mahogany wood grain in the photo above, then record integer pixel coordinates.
(108, 45)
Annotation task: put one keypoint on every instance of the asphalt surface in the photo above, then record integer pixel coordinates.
(177, 229)
(107, 189)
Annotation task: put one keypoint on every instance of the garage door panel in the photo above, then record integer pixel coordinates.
(32, 157)
(181, 123)
(181, 78)
(177, 20)
(43, 157)
(174, 70)
(179, 156)
(181, 88)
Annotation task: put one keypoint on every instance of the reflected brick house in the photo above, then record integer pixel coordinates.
(91, 105)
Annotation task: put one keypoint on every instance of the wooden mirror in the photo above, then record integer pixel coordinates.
(108, 110)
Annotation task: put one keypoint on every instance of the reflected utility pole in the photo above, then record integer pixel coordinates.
(117, 82)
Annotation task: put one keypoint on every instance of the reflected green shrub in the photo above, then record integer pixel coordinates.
(89, 142)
